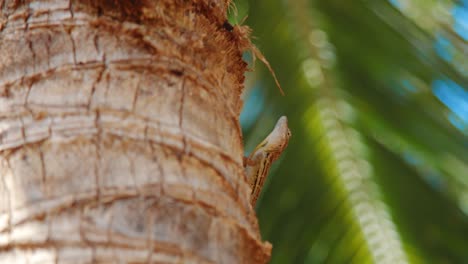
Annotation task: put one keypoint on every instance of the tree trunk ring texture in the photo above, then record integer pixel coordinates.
(119, 134)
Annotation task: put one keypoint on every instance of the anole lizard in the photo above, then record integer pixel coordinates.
(259, 162)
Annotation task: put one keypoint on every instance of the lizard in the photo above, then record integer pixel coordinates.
(260, 160)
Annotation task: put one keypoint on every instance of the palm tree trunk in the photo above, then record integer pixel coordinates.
(119, 134)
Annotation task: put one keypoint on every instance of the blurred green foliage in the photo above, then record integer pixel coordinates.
(377, 101)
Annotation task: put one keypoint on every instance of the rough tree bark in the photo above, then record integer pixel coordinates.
(119, 134)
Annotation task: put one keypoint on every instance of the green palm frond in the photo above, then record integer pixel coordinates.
(375, 172)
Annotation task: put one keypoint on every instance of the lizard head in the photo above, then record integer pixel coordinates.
(278, 139)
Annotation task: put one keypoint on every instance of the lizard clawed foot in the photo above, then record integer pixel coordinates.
(248, 161)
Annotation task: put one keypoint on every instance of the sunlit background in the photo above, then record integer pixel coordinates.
(377, 101)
